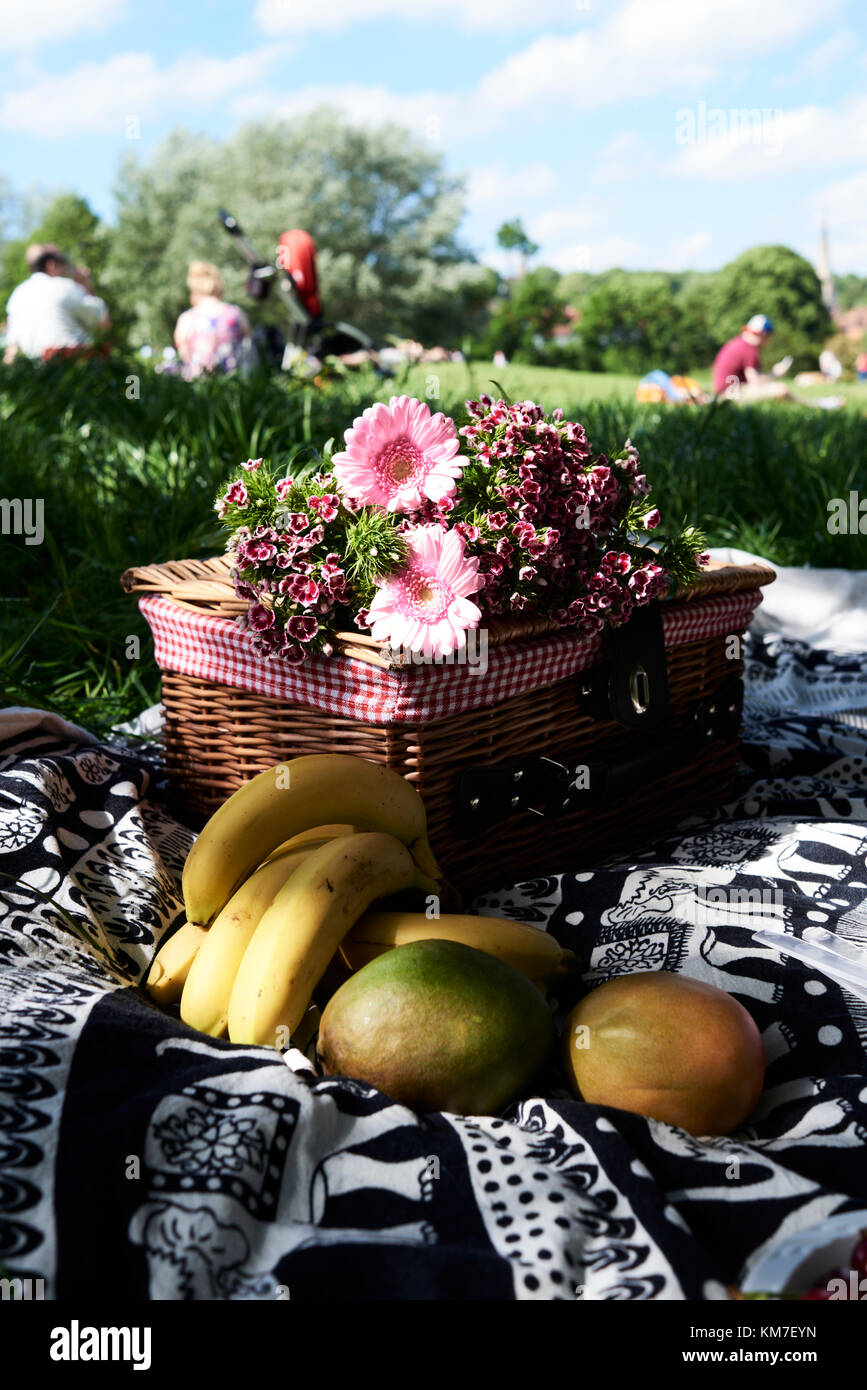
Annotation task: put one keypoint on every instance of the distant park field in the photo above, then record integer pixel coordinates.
(552, 386)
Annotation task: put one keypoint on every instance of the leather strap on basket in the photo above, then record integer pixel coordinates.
(637, 677)
(631, 687)
(549, 787)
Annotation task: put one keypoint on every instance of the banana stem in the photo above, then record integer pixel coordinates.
(426, 884)
(424, 858)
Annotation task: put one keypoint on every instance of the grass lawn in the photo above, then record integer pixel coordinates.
(127, 465)
(552, 386)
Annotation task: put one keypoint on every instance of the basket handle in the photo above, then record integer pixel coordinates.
(550, 788)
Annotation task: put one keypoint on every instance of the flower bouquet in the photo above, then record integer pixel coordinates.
(418, 531)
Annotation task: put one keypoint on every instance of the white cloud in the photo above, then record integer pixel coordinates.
(845, 201)
(841, 207)
(728, 146)
(561, 234)
(643, 49)
(683, 31)
(593, 255)
(498, 259)
(551, 69)
(685, 253)
(827, 55)
(580, 238)
(502, 184)
(626, 156)
(598, 254)
(822, 59)
(639, 49)
(566, 223)
(426, 114)
(300, 16)
(30, 26)
(100, 97)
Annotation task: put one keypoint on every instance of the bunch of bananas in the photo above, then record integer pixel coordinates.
(282, 877)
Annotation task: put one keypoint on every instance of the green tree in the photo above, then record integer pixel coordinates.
(529, 315)
(512, 237)
(851, 291)
(632, 322)
(576, 286)
(71, 224)
(775, 281)
(378, 203)
(696, 344)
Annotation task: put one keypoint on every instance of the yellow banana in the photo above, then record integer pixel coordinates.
(171, 965)
(205, 1000)
(316, 835)
(299, 933)
(294, 796)
(526, 948)
(320, 833)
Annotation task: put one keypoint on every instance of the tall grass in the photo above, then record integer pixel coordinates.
(128, 463)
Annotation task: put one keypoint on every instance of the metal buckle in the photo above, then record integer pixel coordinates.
(639, 689)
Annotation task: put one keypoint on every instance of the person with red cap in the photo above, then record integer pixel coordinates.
(55, 310)
(737, 364)
(737, 370)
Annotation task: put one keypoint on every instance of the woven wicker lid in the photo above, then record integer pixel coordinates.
(206, 586)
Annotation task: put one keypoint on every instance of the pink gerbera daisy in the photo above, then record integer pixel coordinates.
(397, 455)
(424, 606)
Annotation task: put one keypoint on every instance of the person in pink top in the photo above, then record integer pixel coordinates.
(211, 336)
(738, 362)
(737, 370)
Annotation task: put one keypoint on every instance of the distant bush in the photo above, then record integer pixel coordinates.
(778, 282)
(531, 312)
(636, 323)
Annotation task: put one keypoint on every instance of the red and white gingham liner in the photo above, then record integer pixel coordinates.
(215, 649)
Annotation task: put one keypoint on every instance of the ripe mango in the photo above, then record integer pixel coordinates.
(668, 1047)
(437, 1025)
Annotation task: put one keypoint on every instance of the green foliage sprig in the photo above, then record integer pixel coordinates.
(373, 547)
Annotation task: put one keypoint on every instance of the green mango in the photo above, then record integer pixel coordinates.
(437, 1025)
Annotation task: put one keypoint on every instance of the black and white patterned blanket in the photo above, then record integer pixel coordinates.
(143, 1161)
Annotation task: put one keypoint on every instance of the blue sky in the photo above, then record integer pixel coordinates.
(642, 133)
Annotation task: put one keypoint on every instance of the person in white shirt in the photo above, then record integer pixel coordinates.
(55, 310)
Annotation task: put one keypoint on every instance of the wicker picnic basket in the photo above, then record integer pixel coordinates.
(561, 750)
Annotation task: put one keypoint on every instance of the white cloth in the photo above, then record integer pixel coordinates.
(824, 607)
(52, 311)
(20, 719)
